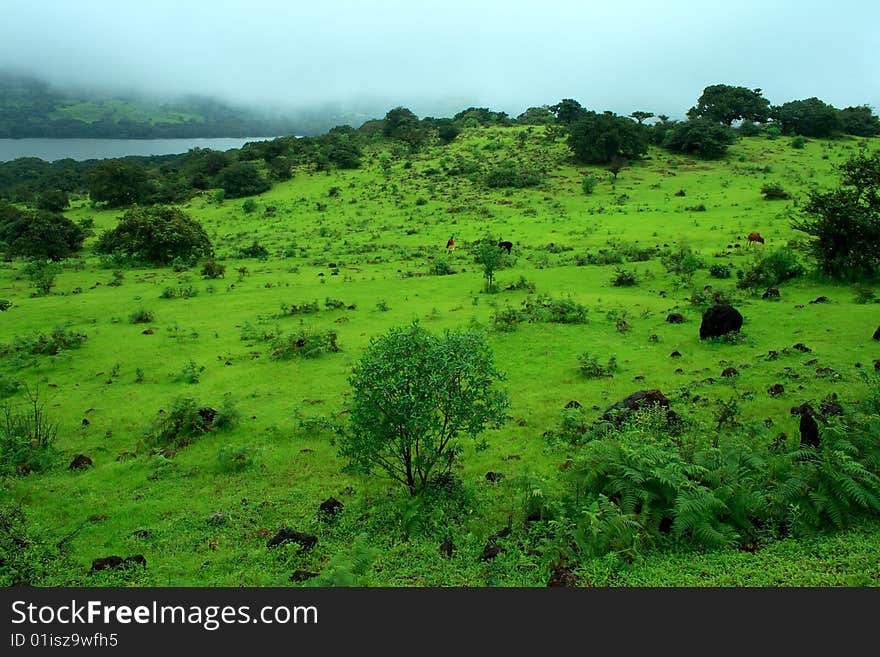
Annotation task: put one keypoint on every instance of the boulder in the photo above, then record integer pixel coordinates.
(720, 320)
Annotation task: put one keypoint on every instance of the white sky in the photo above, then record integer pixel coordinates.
(440, 57)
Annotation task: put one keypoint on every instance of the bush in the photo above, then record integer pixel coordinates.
(683, 262)
(506, 320)
(141, 316)
(185, 422)
(508, 175)
(441, 267)
(38, 234)
(542, 308)
(235, 458)
(719, 270)
(42, 275)
(213, 269)
(591, 368)
(255, 250)
(589, 184)
(179, 292)
(701, 137)
(774, 191)
(27, 437)
(190, 373)
(624, 278)
(242, 179)
(156, 235)
(304, 344)
(249, 206)
(798, 142)
(770, 270)
(50, 344)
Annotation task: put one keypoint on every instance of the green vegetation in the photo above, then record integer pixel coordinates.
(330, 310)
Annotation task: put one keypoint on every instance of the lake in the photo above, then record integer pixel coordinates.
(99, 149)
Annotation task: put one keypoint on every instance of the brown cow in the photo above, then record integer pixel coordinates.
(755, 237)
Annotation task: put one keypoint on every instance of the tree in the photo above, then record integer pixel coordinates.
(810, 117)
(156, 235)
(567, 111)
(701, 137)
(597, 138)
(536, 116)
(845, 222)
(402, 124)
(640, 116)
(38, 234)
(414, 395)
(118, 183)
(53, 200)
(242, 179)
(492, 258)
(725, 103)
(860, 121)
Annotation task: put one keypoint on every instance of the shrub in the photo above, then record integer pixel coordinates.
(213, 269)
(774, 191)
(234, 458)
(683, 262)
(864, 294)
(38, 234)
(156, 235)
(50, 344)
(798, 142)
(589, 184)
(624, 278)
(190, 373)
(441, 267)
(770, 269)
(719, 270)
(27, 437)
(304, 344)
(141, 316)
(591, 368)
(506, 320)
(249, 206)
(701, 137)
(508, 175)
(242, 179)
(42, 275)
(255, 250)
(542, 308)
(179, 292)
(184, 423)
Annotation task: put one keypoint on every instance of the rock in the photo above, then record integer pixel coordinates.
(330, 507)
(494, 476)
(877, 333)
(877, 365)
(729, 371)
(800, 346)
(147, 331)
(809, 428)
(218, 518)
(106, 563)
(573, 404)
(562, 576)
(447, 548)
(302, 575)
(720, 320)
(80, 462)
(135, 560)
(85, 422)
(675, 318)
(207, 414)
(771, 293)
(775, 390)
(675, 354)
(830, 406)
(638, 400)
(491, 551)
(653, 338)
(820, 300)
(285, 535)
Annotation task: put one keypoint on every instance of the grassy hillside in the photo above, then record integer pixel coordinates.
(370, 238)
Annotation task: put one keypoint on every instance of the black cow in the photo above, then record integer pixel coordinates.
(505, 245)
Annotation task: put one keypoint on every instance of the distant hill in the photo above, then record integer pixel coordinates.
(30, 107)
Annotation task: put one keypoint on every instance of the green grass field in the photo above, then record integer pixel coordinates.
(369, 238)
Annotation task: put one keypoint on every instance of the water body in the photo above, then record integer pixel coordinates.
(100, 149)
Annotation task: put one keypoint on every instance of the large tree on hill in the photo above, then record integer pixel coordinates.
(242, 179)
(641, 116)
(701, 137)
(845, 222)
(402, 124)
(118, 183)
(726, 104)
(860, 121)
(38, 234)
(157, 235)
(810, 117)
(599, 138)
(567, 111)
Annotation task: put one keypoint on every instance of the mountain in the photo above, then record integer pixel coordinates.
(30, 107)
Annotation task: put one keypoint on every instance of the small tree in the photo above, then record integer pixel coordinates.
(414, 394)
(492, 258)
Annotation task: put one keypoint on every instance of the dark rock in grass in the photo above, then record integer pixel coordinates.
(830, 406)
(85, 422)
(771, 293)
(302, 575)
(822, 299)
(106, 563)
(675, 354)
(877, 365)
(809, 428)
(877, 333)
(675, 318)
(80, 462)
(720, 320)
(330, 507)
(562, 576)
(636, 401)
(800, 346)
(142, 533)
(812, 361)
(491, 551)
(775, 390)
(207, 414)
(574, 403)
(825, 371)
(494, 476)
(286, 535)
(665, 525)
(729, 371)
(447, 548)
(218, 518)
(135, 560)
(653, 338)
(147, 331)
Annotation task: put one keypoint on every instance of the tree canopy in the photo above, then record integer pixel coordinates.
(598, 138)
(156, 235)
(414, 395)
(38, 234)
(810, 117)
(726, 104)
(701, 137)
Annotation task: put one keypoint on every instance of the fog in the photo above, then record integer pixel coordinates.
(439, 57)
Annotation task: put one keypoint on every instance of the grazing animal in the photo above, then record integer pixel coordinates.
(505, 245)
(755, 237)
(809, 428)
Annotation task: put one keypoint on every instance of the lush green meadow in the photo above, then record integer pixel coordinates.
(371, 239)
